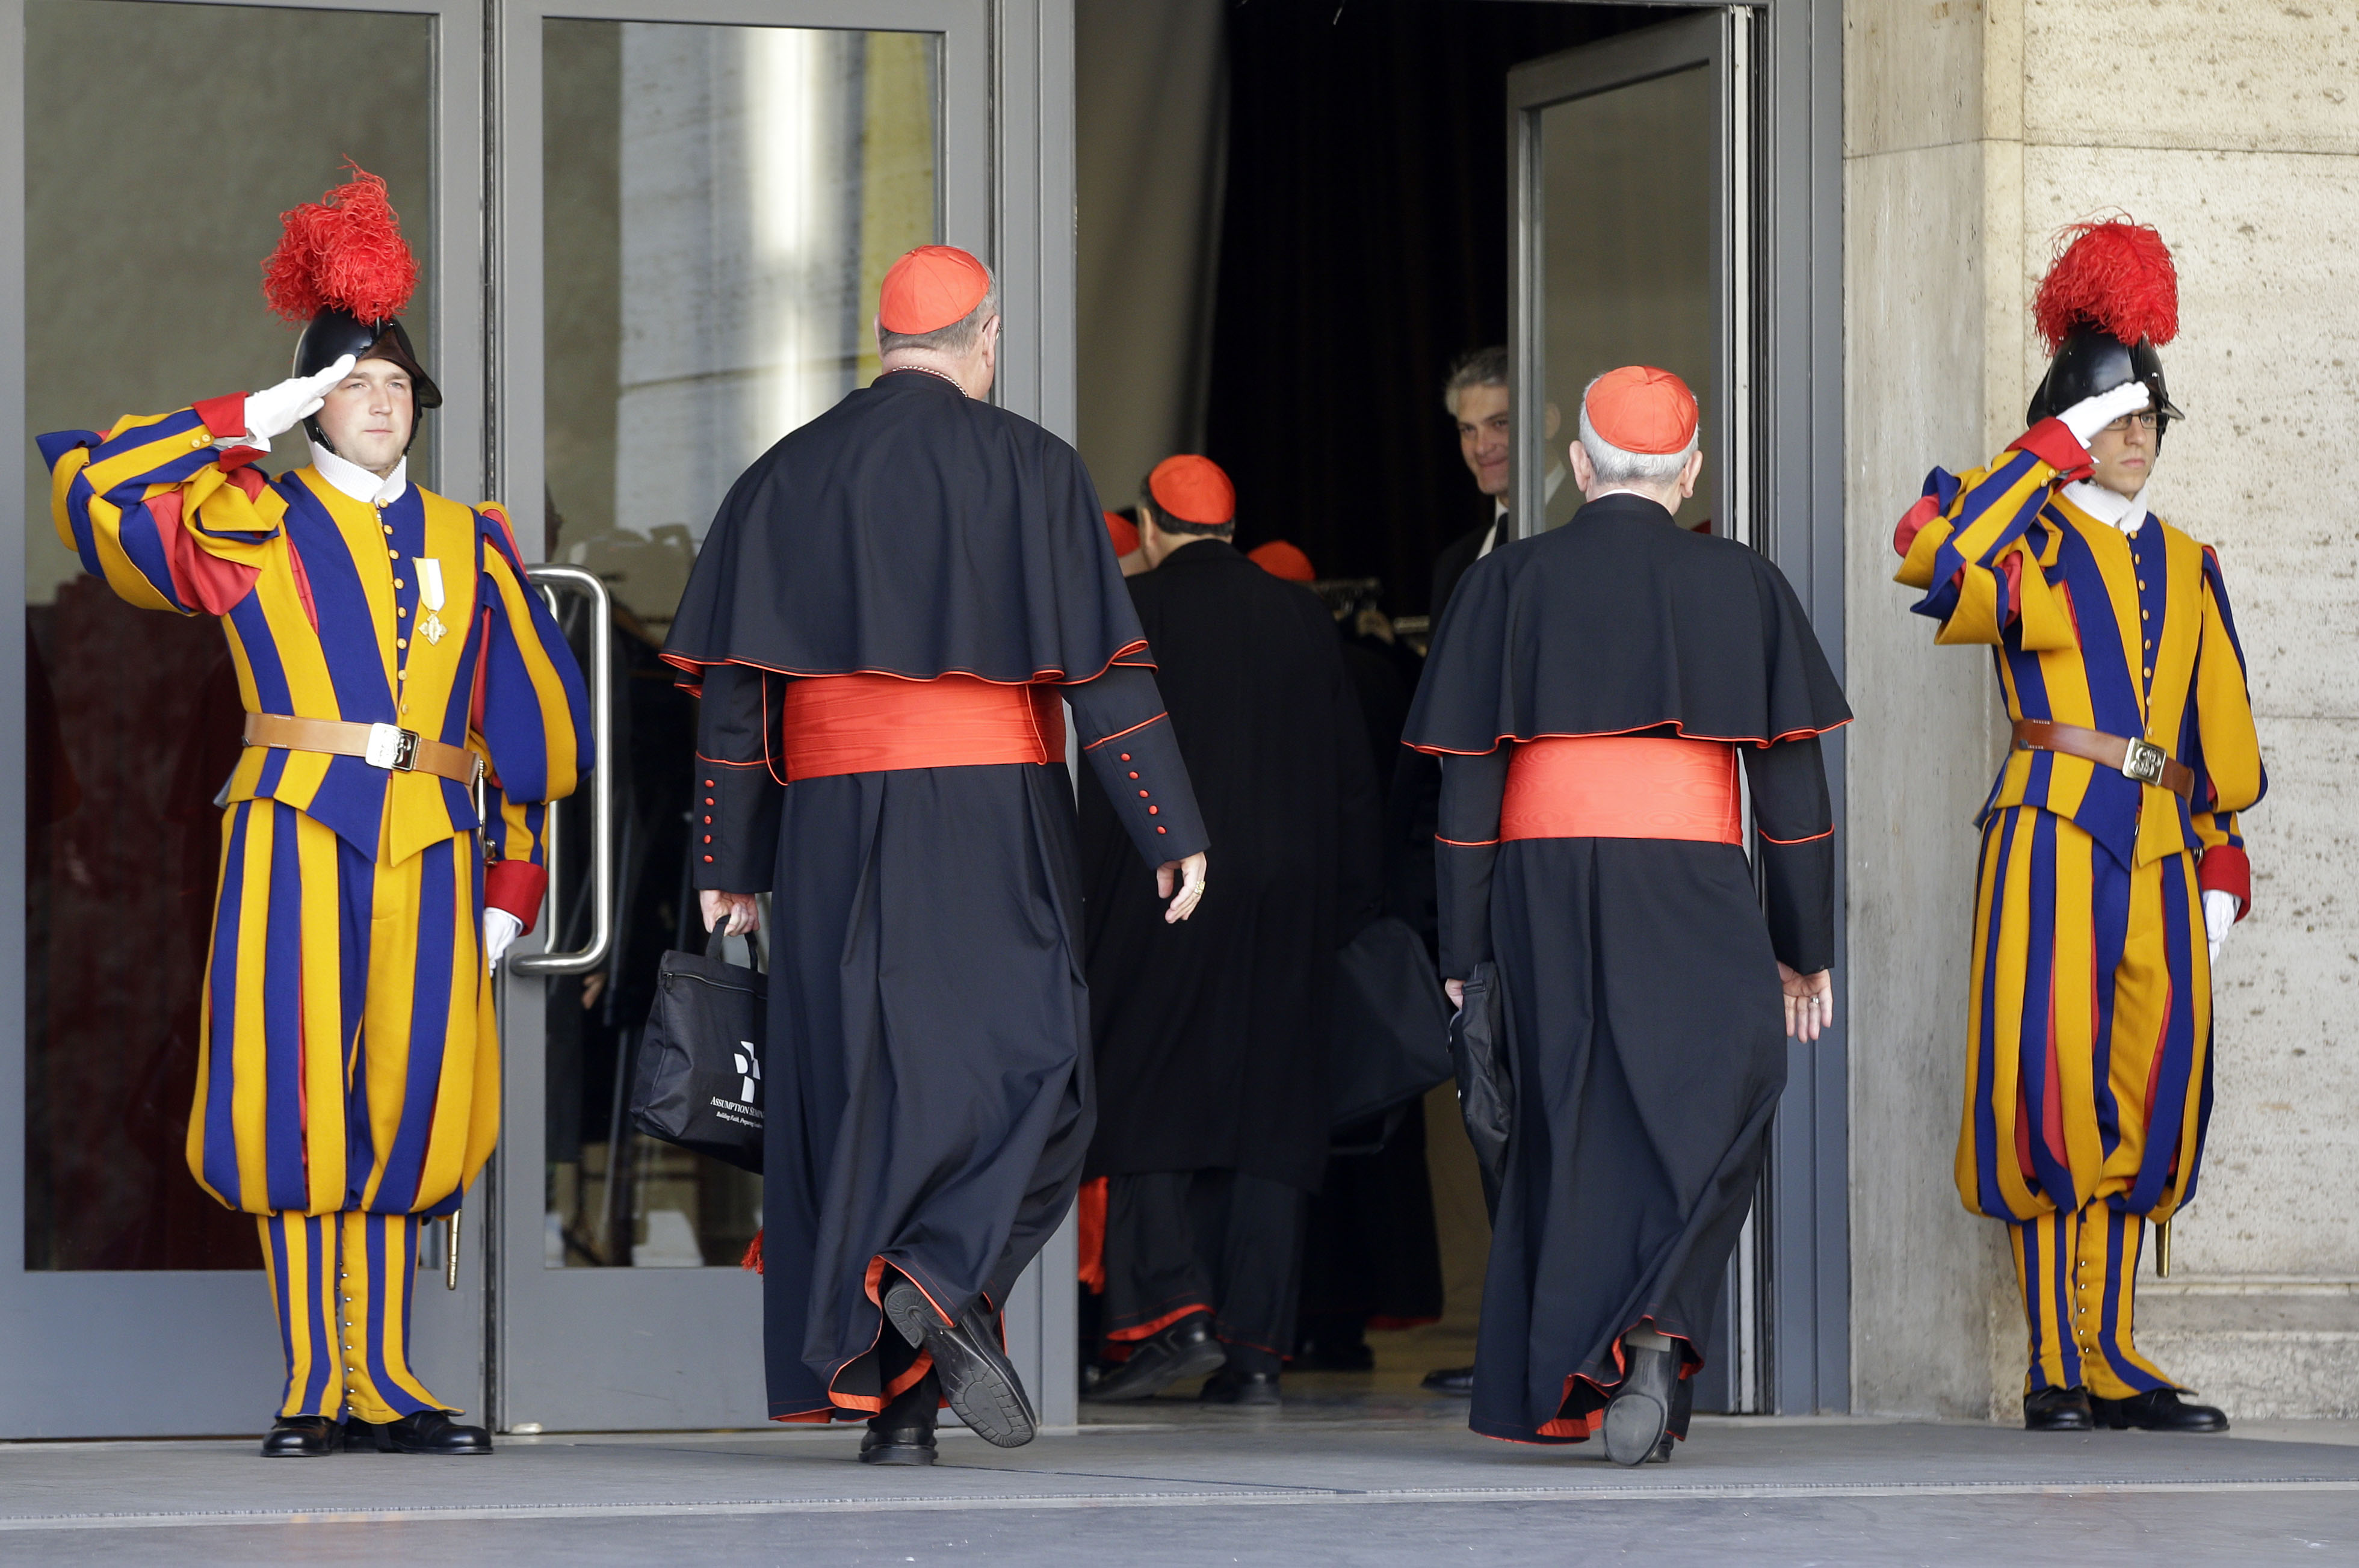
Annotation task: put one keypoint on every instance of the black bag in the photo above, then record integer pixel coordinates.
(1486, 1084)
(1390, 1036)
(700, 1078)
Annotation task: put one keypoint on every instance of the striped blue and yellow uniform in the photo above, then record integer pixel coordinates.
(349, 1062)
(2088, 1067)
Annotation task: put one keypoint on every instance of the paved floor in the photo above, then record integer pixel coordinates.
(1352, 1477)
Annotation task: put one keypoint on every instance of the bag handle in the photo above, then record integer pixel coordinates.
(716, 946)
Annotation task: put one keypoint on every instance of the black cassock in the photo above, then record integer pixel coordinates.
(1211, 1034)
(1646, 1032)
(929, 1092)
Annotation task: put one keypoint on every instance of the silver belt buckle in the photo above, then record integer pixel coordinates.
(2143, 761)
(390, 746)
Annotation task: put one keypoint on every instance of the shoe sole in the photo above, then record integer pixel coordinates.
(898, 1455)
(1201, 1361)
(1634, 1428)
(988, 1400)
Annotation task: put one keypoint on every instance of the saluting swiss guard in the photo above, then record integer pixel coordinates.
(892, 608)
(2111, 863)
(1590, 692)
(396, 670)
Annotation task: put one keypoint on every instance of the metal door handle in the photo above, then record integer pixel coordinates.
(602, 787)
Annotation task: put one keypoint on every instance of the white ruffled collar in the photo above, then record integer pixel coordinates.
(2127, 513)
(357, 482)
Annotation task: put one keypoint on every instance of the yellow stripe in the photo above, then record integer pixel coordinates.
(249, 1064)
(324, 1045)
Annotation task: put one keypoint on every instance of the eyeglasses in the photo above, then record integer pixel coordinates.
(2150, 420)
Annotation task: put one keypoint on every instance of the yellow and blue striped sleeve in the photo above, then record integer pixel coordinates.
(2229, 777)
(151, 507)
(532, 721)
(1973, 545)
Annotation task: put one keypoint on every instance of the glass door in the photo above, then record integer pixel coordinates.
(697, 203)
(147, 195)
(1632, 235)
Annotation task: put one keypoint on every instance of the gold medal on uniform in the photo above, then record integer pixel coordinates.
(429, 594)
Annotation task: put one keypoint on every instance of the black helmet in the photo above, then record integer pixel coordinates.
(333, 333)
(2092, 361)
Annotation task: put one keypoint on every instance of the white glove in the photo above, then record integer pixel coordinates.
(500, 928)
(2091, 415)
(275, 410)
(2219, 917)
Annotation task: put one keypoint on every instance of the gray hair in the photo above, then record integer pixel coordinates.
(1615, 466)
(959, 338)
(1483, 367)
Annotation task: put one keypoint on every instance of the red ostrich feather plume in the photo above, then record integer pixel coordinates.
(2115, 275)
(344, 249)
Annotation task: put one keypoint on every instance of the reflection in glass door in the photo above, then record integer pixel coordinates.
(718, 204)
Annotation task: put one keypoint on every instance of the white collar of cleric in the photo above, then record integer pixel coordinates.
(357, 482)
(2127, 513)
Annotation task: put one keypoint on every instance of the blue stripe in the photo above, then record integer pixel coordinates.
(355, 667)
(429, 1022)
(1986, 1149)
(282, 1018)
(143, 546)
(2037, 1047)
(251, 624)
(325, 1236)
(221, 1130)
(2109, 914)
(2177, 1047)
(356, 902)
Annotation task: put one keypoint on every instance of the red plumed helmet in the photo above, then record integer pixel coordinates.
(2116, 275)
(343, 252)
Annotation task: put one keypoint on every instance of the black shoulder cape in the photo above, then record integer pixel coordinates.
(914, 531)
(1619, 623)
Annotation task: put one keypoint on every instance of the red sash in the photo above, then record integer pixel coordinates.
(1622, 786)
(866, 724)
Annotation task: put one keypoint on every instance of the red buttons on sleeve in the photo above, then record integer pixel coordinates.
(1159, 831)
(1125, 756)
(708, 859)
(707, 822)
(1154, 811)
(1134, 776)
(708, 838)
(1142, 794)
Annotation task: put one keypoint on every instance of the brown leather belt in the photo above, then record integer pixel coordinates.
(2140, 760)
(381, 745)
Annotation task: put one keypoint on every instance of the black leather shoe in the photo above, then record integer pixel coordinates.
(2058, 1410)
(1334, 1355)
(1450, 1380)
(977, 1379)
(1230, 1387)
(897, 1445)
(1186, 1349)
(428, 1432)
(1641, 1412)
(304, 1437)
(1683, 1408)
(2160, 1410)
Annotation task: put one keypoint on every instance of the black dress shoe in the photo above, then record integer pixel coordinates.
(2160, 1410)
(1186, 1349)
(897, 1445)
(977, 1377)
(428, 1432)
(1640, 1414)
(1683, 1408)
(1450, 1380)
(2057, 1409)
(304, 1437)
(1334, 1355)
(1230, 1387)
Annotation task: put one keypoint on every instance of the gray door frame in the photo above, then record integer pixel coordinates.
(671, 1348)
(1780, 326)
(181, 1352)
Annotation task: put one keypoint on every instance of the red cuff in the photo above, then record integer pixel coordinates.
(2224, 868)
(515, 886)
(1912, 523)
(2053, 443)
(224, 416)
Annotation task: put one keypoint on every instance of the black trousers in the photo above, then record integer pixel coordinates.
(1216, 1241)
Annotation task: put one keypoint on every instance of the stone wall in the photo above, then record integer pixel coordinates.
(1972, 133)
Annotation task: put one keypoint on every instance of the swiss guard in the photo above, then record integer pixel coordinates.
(2111, 863)
(410, 712)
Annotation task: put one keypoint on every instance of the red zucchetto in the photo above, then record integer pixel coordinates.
(930, 288)
(1641, 409)
(1189, 489)
(1283, 559)
(1121, 533)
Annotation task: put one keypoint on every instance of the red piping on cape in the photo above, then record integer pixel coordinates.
(1149, 1330)
(1466, 843)
(1038, 677)
(1812, 839)
(1675, 726)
